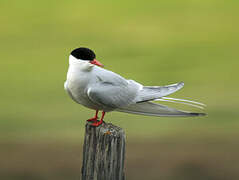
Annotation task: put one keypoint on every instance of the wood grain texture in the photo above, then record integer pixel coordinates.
(103, 153)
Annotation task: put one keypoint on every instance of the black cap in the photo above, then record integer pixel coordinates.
(83, 54)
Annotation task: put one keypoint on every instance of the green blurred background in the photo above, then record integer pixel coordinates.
(154, 42)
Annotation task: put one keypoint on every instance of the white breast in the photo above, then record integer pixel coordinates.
(76, 86)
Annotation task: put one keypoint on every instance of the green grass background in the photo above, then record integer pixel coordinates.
(154, 42)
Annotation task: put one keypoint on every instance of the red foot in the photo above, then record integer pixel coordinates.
(94, 118)
(97, 123)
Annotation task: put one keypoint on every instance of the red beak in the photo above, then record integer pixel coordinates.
(96, 63)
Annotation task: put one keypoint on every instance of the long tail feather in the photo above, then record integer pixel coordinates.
(184, 100)
(189, 104)
(155, 109)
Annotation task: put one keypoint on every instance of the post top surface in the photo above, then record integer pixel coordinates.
(107, 129)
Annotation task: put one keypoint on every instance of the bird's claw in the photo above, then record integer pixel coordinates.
(96, 123)
(92, 119)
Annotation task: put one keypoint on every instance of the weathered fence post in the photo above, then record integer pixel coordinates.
(103, 153)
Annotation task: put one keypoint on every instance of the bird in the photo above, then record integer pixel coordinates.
(91, 85)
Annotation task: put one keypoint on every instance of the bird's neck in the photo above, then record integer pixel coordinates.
(79, 65)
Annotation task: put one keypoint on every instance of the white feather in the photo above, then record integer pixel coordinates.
(184, 100)
(181, 103)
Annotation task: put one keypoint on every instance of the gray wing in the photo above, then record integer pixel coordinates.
(111, 96)
(112, 91)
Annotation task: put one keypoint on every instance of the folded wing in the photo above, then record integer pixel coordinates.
(155, 109)
(111, 96)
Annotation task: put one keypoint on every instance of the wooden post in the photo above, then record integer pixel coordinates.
(103, 153)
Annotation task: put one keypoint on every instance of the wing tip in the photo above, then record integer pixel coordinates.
(198, 114)
(180, 85)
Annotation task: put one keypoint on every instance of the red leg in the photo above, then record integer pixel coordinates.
(97, 123)
(94, 118)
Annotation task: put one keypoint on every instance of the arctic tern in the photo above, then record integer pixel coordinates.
(102, 90)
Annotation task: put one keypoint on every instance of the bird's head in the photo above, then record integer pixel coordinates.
(85, 56)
